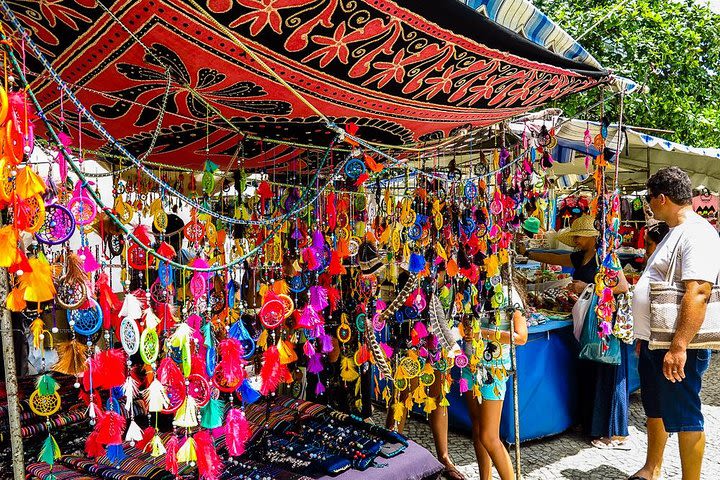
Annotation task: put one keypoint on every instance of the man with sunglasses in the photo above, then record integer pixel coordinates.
(671, 379)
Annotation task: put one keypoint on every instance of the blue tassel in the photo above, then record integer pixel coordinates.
(116, 454)
(417, 263)
(249, 395)
(231, 294)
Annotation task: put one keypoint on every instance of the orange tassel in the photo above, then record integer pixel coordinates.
(28, 183)
(38, 283)
(16, 300)
(8, 246)
(373, 165)
(343, 248)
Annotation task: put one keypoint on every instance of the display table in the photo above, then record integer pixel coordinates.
(547, 385)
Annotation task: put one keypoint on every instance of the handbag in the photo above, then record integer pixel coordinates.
(591, 345)
(580, 309)
(665, 299)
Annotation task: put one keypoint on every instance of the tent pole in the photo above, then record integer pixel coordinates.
(11, 385)
(513, 364)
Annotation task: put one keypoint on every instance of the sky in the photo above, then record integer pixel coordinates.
(715, 5)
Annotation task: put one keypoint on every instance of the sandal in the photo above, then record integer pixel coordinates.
(611, 445)
(452, 473)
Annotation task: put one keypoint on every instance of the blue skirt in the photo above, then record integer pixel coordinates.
(610, 396)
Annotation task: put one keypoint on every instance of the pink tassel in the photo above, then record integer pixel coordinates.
(90, 264)
(420, 330)
(171, 449)
(273, 372)
(66, 141)
(387, 349)
(318, 298)
(463, 385)
(309, 349)
(315, 364)
(319, 388)
(109, 428)
(308, 318)
(231, 352)
(237, 432)
(327, 344)
(209, 463)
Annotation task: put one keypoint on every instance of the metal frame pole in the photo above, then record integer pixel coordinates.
(11, 385)
(513, 365)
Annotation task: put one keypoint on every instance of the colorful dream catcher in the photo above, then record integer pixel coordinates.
(58, 225)
(71, 288)
(86, 321)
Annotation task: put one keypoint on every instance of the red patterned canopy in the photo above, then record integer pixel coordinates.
(404, 71)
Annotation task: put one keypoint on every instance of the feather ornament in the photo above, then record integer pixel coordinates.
(237, 433)
(93, 448)
(209, 463)
(49, 451)
(16, 300)
(212, 414)
(399, 300)
(115, 453)
(273, 372)
(187, 414)
(130, 390)
(38, 283)
(109, 302)
(157, 447)
(134, 434)
(28, 183)
(109, 428)
(132, 307)
(171, 454)
(248, 394)
(156, 397)
(376, 350)
(319, 298)
(72, 357)
(348, 372)
(187, 453)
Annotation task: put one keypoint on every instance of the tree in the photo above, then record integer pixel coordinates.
(672, 46)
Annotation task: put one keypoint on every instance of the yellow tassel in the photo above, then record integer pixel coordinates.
(186, 416)
(187, 453)
(287, 352)
(430, 405)
(386, 396)
(408, 403)
(419, 395)
(444, 402)
(8, 246)
(398, 412)
(16, 300)
(347, 370)
(262, 341)
(36, 328)
(38, 283)
(28, 183)
(281, 287)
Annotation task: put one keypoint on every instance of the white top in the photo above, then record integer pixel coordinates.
(698, 259)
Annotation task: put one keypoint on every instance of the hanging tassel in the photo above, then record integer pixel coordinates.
(71, 358)
(8, 245)
(156, 397)
(327, 343)
(209, 463)
(134, 434)
(37, 327)
(90, 263)
(464, 385)
(116, 454)
(348, 372)
(238, 432)
(398, 412)
(130, 390)
(247, 393)
(336, 267)
(309, 349)
(108, 367)
(38, 283)
(318, 298)
(16, 300)
(416, 263)
(46, 385)
(286, 352)
(109, 428)
(171, 454)
(188, 452)
(273, 373)
(319, 388)
(315, 364)
(212, 414)
(157, 447)
(186, 416)
(430, 405)
(131, 308)
(50, 451)
(281, 287)
(93, 448)
(231, 362)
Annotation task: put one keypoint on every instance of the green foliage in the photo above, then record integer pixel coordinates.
(672, 46)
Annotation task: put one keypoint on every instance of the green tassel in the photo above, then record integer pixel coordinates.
(50, 451)
(207, 334)
(46, 385)
(210, 166)
(212, 414)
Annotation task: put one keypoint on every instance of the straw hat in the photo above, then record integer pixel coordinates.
(581, 227)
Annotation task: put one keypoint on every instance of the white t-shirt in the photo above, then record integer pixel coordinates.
(698, 259)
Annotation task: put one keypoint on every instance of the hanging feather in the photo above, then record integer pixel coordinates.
(375, 349)
(181, 339)
(319, 387)
(399, 300)
(188, 452)
(109, 428)
(93, 448)
(348, 372)
(171, 454)
(158, 449)
(416, 263)
(144, 234)
(46, 385)
(286, 352)
(315, 364)
(71, 358)
(318, 298)
(37, 327)
(209, 463)
(232, 363)
(130, 390)
(247, 393)
(90, 263)
(212, 414)
(108, 369)
(156, 397)
(116, 454)
(273, 373)
(237, 432)
(66, 141)
(134, 434)
(131, 308)
(109, 302)
(439, 325)
(186, 416)
(327, 343)
(308, 349)
(49, 451)
(38, 283)
(16, 300)
(336, 267)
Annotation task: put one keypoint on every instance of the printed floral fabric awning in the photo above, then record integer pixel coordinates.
(404, 71)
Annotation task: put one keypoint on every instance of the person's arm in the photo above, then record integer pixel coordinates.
(623, 286)
(562, 259)
(692, 316)
(521, 331)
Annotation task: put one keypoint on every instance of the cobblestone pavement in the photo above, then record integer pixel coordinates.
(570, 455)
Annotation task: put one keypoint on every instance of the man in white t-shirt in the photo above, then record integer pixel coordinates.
(671, 379)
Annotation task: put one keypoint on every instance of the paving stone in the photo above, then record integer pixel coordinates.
(570, 456)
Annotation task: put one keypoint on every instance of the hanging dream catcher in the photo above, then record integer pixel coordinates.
(82, 207)
(71, 287)
(35, 210)
(129, 336)
(87, 321)
(58, 225)
(149, 345)
(199, 389)
(114, 244)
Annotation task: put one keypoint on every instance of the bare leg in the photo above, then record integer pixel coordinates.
(490, 412)
(439, 427)
(483, 458)
(692, 448)
(657, 438)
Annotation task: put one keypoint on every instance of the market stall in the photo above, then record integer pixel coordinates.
(283, 203)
